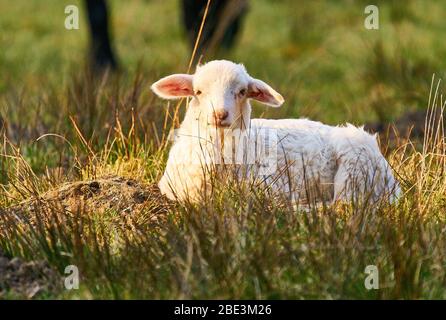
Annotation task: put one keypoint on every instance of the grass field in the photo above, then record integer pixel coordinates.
(61, 125)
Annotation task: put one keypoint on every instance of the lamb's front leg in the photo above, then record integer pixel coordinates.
(184, 182)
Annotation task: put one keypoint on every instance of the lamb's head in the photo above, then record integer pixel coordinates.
(220, 92)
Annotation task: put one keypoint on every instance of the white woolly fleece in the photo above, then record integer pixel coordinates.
(311, 160)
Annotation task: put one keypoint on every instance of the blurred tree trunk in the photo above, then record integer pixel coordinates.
(102, 56)
(222, 24)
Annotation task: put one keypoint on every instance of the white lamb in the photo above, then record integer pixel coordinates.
(334, 163)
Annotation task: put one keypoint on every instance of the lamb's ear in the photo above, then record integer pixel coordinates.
(260, 91)
(174, 86)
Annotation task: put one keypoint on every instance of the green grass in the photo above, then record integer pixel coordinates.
(240, 244)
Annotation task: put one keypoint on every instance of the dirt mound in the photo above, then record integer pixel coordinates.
(123, 196)
(114, 193)
(20, 279)
(110, 193)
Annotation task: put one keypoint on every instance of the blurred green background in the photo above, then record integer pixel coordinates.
(318, 53)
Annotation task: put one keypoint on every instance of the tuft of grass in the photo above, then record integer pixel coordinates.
(242, 242)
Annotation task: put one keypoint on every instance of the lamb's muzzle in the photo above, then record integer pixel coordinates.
(341, 163)
(219, 117)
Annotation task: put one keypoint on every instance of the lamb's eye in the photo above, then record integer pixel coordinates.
(198, 92)
(242, 92)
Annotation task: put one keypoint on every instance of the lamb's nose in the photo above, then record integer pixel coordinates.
(221, 115)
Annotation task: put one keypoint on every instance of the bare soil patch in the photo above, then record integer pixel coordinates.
(26, 279)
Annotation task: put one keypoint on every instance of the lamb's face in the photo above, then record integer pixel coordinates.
(220, 92)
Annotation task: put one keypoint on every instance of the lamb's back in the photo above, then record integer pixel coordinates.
(303, 146)
(296, 135)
